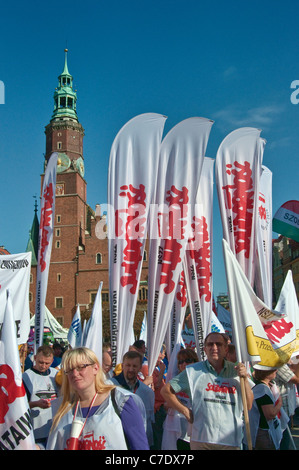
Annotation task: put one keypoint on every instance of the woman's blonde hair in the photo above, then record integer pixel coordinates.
(71, 359)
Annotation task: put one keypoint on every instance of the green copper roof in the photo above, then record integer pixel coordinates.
(65, 98)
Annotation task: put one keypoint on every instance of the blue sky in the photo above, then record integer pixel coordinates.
(227, 61)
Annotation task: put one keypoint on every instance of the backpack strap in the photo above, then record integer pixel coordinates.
(116, 409)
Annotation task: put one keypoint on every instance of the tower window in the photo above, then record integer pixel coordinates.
(58, 302)
(98, 258)
(59, 145)
(70, 102)
(62, 101)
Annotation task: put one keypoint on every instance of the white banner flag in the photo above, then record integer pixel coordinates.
(131, 184)
(94, 330)
(16, 432)
(74, 336)
(249, 317)
(180, 164)
(45, 246)
(198, 259)
(263, 271)
(284, 333)
(237, 172)
(15, 276)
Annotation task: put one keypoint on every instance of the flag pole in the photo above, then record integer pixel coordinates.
(238, 352)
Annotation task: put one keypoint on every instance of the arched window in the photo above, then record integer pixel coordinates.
(98, 258)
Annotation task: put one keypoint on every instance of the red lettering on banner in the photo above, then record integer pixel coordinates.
(182, 294)
(278, 329)
(178, 203)
(9, 390)
(134, 230)
(46, 217)
(262, 209)
(202, 256)
(223, 388)
(239, 197)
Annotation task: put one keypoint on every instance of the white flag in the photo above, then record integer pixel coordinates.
(237, 172)
(263, 272)
(198, 259)
(131, 184)
(45, 247)
(284, 333)
(180, 164)
(74, 336)
(16, 432)
(249, 316)
(15, 276)
(217, 326)
(94, 330)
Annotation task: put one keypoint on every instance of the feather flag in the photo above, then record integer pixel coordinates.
(45, 247)
(131, 184)
(237, 172)
(198, 259)
(180, 165)
(263, 271)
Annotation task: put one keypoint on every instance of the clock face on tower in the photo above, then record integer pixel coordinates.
(63, 162)
(80, 166)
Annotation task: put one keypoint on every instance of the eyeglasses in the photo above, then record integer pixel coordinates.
(187, 361)
(77, 368)
(211, 344)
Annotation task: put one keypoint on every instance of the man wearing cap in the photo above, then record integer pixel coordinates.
(216, 401)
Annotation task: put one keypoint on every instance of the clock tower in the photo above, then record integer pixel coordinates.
(64, 135)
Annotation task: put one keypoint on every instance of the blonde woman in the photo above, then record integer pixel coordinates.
(110, 419)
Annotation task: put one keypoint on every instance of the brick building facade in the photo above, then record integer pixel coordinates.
(79, 259)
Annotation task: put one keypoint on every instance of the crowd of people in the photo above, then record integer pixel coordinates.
(78, 403)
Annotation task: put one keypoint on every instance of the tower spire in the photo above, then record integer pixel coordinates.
(65, 70)
(65, 98)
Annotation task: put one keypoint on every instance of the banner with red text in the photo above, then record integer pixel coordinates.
(252, 320)
(15, 276)
(284, 333)
(263, 271)
(16, 431)
(132, 180)
(45, 246)
(237, 172)
(198, 259)
(181, 159)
